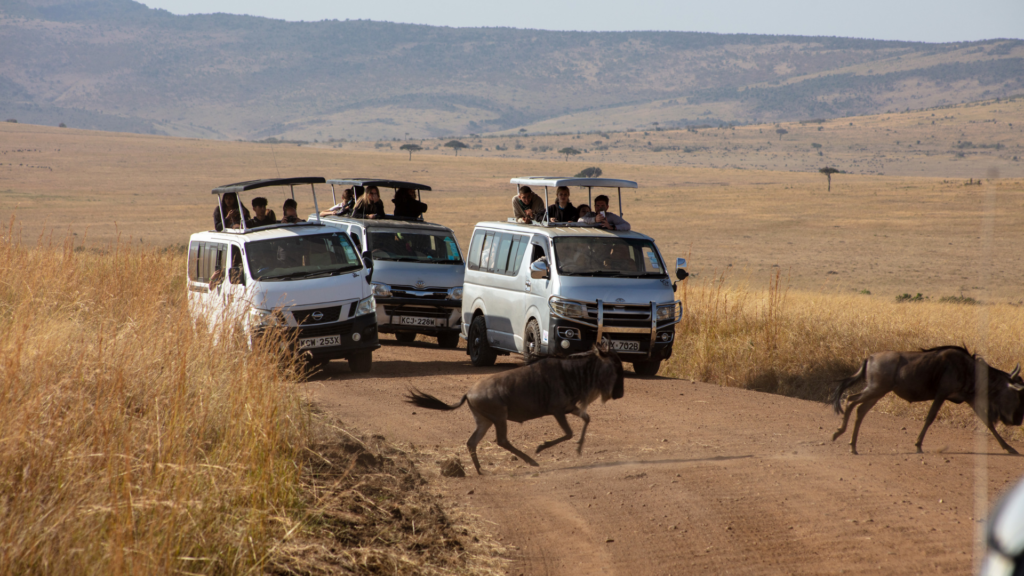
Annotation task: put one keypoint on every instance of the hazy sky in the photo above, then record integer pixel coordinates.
(921, 20)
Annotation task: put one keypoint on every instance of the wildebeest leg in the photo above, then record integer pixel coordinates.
(851, 402)
(1002, 442)
(582, 413)
(483, 424)
(565, 428)
(862, 411)
(932, 413)
(501, 427)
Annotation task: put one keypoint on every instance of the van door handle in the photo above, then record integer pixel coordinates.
(527, 285)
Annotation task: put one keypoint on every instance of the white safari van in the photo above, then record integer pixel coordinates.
(555, 289)
(417, 268)
(304, 277)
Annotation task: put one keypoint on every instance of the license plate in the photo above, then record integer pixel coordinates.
(415, 321)
(320, 342)
(625, 345)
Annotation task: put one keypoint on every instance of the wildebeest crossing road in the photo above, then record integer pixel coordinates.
(686, 477)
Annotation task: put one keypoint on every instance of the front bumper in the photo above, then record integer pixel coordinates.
(365, 326)
(647, 340)
(442, 315)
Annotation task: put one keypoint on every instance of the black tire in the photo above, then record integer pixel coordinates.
(448, 340)
(405, 336)
(647, 367)
(360, 362)
(531, 342)
(480, 351)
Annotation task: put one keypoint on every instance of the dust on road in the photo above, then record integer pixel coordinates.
(685, 477)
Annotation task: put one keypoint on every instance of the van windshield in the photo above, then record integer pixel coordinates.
(297, 257)
(608, 256)
(414, 246)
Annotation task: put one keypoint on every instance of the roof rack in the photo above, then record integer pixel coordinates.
(588, 183)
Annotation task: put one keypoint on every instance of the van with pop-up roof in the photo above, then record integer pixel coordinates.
(304, 278)
(554, 289)
(417, 267)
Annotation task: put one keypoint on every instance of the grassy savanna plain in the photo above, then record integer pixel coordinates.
(792, 286)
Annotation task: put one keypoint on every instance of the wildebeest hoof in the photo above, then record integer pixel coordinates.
(1012, 451)
(836, 435)
(919, 451)
(853, 451)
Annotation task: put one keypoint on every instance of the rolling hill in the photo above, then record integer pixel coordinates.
(118, 65)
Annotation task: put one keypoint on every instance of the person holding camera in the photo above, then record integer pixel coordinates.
(603, 218)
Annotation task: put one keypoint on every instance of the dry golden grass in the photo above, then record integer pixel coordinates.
(133, 442)
(795, 343)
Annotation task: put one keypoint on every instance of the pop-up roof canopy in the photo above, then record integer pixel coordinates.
(588, 183)
(360, 184)
(380, 183)
(254, 184)
(555, 181)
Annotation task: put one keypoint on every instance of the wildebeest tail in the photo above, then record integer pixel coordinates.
(424, 400)
(845, 384)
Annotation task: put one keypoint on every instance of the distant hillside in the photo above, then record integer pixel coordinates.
(118, 65)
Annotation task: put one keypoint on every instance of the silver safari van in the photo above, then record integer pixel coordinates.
(547, 289)
(417, 268)
(302, 277)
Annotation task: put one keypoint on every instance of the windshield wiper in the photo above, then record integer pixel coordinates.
(334, 272)
(403, 259)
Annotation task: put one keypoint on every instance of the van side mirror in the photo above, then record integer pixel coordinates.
(539, 269)
(681, 274)
(368, 263)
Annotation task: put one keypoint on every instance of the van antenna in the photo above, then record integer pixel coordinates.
(274, 154)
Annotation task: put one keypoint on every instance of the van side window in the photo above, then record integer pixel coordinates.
(504, 244)
(237, 271)
(515, 258)
(355, 240)
(193, 261)
(485, 252)
(474, 250)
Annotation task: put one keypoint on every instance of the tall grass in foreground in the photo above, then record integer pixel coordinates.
(131, 442)
(798, 344)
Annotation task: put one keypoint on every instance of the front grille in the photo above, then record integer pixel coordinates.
(316, 331)
(614, 312)
(407, 292)
(414, 311)
(305, 317)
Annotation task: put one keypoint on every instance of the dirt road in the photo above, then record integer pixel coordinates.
(681, 477)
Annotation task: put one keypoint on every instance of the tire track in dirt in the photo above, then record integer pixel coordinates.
(687, 478)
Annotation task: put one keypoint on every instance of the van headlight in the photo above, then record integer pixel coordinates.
(455, 293)
(568, 309)
(667, 312)
(381, 290)
(367, 305)
(265, 318)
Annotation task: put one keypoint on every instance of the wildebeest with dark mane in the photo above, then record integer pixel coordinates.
(553, 386)
(936, 375)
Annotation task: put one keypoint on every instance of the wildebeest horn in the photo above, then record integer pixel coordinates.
(1015, 372)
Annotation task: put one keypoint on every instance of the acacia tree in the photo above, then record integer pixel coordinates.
(455, 144)
(568, 151)
(411, 148)
(781, 132)
(828, 171)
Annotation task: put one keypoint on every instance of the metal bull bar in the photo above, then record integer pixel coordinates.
(601, 328)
